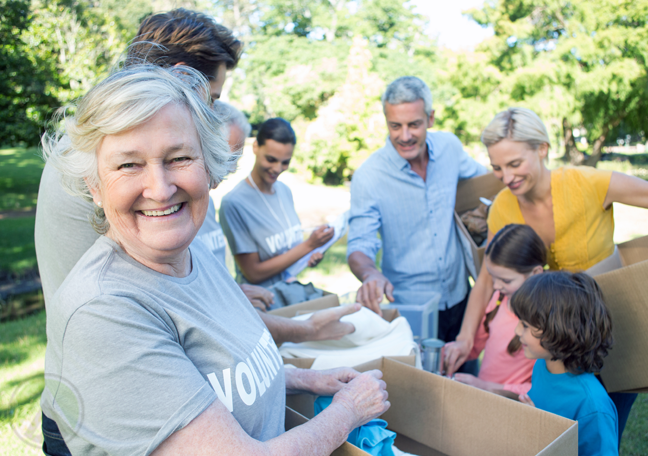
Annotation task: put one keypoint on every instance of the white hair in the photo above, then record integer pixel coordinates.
(122, 101)
(516, 124)
(229, 115)
(408, 89)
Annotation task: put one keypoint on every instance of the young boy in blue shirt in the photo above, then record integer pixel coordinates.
(565, 325)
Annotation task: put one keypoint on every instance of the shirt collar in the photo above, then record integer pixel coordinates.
(399, 161)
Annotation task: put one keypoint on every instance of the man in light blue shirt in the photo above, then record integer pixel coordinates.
(406, 192)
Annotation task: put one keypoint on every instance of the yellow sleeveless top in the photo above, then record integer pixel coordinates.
(584, 229)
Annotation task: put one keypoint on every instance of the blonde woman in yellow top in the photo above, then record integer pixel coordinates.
(569, 207)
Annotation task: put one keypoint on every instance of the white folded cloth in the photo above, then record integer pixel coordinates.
(373, 338)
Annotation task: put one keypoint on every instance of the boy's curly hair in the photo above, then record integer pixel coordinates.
(568, 309)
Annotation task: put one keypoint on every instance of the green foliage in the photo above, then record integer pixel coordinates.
(304, 63)
(20, 172)
(575, 63)
(17, 250)
(25, 100)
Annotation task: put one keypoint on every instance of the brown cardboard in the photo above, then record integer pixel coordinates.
(329, 300)
(625, 290)
(468, 193)
(434, 415)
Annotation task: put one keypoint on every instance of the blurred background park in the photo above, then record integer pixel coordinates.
(322, 65)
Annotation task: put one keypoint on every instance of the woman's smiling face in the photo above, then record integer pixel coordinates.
(154, 187)
(517, 165)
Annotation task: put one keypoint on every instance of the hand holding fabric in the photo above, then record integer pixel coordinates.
(365, 396)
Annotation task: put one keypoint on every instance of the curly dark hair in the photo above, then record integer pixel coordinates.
(568, 309)
(188, 37)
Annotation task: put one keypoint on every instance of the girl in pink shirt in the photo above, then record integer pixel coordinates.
(514, 254)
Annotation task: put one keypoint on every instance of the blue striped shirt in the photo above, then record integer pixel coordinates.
(421, 248)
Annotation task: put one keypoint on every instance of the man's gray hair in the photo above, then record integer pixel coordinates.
(229, 115)
(408, 89)
(122, 101)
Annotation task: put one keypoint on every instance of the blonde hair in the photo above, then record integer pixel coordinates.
(121, 102)
(516, 124)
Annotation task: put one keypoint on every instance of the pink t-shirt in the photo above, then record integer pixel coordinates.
(497, 366)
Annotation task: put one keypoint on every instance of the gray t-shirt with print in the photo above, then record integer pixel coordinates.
(211, 234)
(251, 226)
(134, 355)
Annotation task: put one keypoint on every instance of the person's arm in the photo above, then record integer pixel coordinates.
(374, 283)
(216, 432)
(256, 271)
(322, 325)
(363, 243)
(456, 353)
(625, 189)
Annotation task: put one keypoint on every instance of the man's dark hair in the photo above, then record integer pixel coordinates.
(568, 309)
(277, 129)
(188, 37)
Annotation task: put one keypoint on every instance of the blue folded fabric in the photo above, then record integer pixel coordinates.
(372, 437)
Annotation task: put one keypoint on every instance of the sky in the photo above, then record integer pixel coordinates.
(449, 26)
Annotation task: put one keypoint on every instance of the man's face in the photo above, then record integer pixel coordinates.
(408, 124)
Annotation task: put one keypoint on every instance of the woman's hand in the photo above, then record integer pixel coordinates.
(365, 397)
(525, 399)
(314, 259)
(320, 236)
(260, 297)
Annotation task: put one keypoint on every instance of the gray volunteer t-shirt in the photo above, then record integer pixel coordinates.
(211, 233)
(134, 355)
(62, 233)
(250, 226)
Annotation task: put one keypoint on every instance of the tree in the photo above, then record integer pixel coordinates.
(592, 52)
(351, 125)
(25, 99)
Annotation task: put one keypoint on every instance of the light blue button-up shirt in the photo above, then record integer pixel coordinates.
(421, 249)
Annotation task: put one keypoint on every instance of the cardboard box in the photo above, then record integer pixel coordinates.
(623, 278)
(468, 193)
(326, 301)
(433, 415)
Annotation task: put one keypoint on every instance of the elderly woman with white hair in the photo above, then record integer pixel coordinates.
(569, 207)
(152, 347)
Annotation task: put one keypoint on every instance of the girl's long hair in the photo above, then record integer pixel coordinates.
(519, 248)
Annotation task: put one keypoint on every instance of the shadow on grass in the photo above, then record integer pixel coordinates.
(20, 392)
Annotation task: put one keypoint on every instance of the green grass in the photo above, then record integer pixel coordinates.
(20, 171)
(22, 354)
(17, 252)
(635, 437)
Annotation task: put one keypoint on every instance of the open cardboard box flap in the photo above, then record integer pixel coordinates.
(434, 415)
(326, 301)
(623, 278)
(468, 193)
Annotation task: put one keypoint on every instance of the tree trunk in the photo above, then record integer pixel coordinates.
(572, 154)
(597, 149)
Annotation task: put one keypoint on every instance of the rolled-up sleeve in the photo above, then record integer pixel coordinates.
(364, 219)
